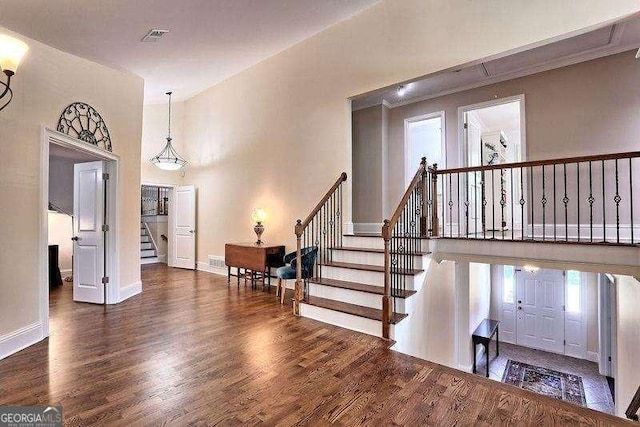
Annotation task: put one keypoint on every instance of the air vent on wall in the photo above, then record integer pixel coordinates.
(154, 35)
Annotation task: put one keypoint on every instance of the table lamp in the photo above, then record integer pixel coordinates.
(258, 215)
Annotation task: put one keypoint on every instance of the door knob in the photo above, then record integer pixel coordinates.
(75, 238)
(192, 231)
(519, 308)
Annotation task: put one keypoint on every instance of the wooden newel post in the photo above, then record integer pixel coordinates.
(423, 198)
(435, 223)
(298, 289)
(386, 298)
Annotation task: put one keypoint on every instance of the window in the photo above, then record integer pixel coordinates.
(573, 291)
(508, 285)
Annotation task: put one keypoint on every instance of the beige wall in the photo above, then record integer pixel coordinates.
(570, 111)
(369, 129)
(46, 82)
(628, 374)
(154, 138)
(278, 134)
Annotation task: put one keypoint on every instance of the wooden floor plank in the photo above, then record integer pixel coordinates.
(192, 350)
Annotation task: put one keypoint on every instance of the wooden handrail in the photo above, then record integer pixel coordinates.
(634, 406)
(565, 160)
(301, 225)
(389, 224)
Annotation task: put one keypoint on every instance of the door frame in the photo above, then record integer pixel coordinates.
(112, 166)
(170, 214)
(462, 149)
(443, 140)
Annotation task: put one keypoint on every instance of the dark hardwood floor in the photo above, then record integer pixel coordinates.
(192, 351)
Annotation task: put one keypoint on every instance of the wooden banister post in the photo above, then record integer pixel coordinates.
(423, 198)
(435, 226)
(298, 287)
(386, 298)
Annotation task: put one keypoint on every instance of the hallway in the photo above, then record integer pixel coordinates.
(192, 350)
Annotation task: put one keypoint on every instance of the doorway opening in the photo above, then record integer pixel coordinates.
(493, 133)
(555, 334)
(424, 137)
(154, 223)
(79, 223)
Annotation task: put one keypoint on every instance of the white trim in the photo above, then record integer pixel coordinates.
(366, 227)
(203, 266)
(20, 338)
(130, 290)
(50, 136)
(349, 227)
(464, 368)
(162, 258)
(592, 356)
(462, 160)
(443, 141)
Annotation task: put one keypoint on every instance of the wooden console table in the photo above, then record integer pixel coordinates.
(257, 259)
(482, 335)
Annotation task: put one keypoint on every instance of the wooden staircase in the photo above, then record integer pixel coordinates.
(349, 294)
(148, 250)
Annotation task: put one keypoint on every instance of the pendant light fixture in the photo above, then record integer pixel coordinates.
(169, 159)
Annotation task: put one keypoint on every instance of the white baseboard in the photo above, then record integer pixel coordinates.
(65, 273)
(348, 228)
(203, 266)
(19, 339)
(464, 368)
(130, 290)
(367, 227)
(592, 356)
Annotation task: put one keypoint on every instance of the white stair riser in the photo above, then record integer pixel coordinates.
(368, 258)
(374, 278)
(363, 242)
(148, 252)
(151, 260)
(352, 297)
(145, 239)
(344, 320)
(146, 245)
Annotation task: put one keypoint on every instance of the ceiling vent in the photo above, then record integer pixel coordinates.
(154, 35)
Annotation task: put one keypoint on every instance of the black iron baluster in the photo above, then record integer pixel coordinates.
(533, 231)
(503, 201)
(444, 197)
(484, 204)
(544, 206)
(493, 205)
(578, 196)
(604, 210)
(555, 199)
(631, 197)
(475, 204)
(522, 202)
(590, 200)
(458, 204)
(450, 208)
(617, 199)
(511, 204)
(565, 200)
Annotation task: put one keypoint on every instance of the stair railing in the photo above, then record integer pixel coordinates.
(153, 241)
(321, 228)
(634, 406)
(415, 218)
(586, 200)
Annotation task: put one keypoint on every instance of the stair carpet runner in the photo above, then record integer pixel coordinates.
(349, 294)
(148, 253)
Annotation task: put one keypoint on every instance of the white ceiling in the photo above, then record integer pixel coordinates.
(209, 40)
(598, 43)
(77, 156)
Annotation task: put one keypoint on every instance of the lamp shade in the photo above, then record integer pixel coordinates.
(258, 215)
(11, 53)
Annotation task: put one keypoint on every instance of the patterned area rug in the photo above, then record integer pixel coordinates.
(545, 381)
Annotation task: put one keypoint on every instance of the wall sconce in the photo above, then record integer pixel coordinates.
(11, 53)
(258, 215)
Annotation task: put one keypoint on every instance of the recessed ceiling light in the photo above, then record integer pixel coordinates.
(154, 35)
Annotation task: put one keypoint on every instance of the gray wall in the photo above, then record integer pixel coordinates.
(61, 183)
(587, 108)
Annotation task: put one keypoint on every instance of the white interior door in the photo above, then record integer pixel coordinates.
(183, 247)
(508, 307)
(540, 299)
(88, 245)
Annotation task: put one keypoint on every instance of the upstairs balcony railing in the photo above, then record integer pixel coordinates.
(587, 199)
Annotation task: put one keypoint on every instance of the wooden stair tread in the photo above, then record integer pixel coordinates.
(372, 289)
(355, 310)
(371, 250)
(367, 267)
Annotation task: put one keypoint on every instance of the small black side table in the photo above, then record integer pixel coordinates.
(482, 335)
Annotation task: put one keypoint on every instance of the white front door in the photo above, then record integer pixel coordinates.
(88, 245)
(183, 246)
(540, 299)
